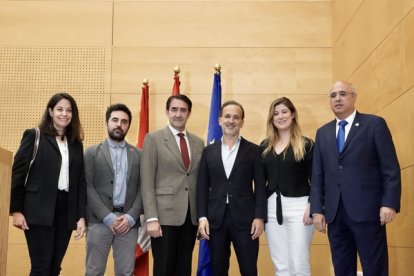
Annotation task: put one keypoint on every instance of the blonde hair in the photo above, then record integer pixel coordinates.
(297, 141)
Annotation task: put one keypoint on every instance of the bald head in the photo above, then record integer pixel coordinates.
(343, 97)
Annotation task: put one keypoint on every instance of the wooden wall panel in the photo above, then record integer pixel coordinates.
(408, 24)
(56, 23)
(6, 158)
(400, 231)
(374, 20)
(342, 13)
(401, 260)
(400, 119)
(408, 5)
(321, 264)
(220, 1)
(381, 78)
(29, 76)
(244, 70)
(224, 24)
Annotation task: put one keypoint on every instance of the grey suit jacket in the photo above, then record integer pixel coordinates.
(100, 179)
(167, 188)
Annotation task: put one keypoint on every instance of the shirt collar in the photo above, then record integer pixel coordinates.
(175, 132)
(349, 119)
(113, 144)
(237, 141)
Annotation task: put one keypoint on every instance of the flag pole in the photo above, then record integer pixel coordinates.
(214, 134)
(141, 267)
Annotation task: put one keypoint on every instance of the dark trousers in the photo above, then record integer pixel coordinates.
(369, 239)
(174, 250)
(246, 249)
(47, 244)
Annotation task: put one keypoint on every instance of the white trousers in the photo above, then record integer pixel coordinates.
(289, 243)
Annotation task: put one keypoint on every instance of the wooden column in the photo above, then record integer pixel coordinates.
(5, 180)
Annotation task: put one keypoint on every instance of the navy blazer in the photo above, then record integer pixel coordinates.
(245, 201)
(37, 200)
(366, 175)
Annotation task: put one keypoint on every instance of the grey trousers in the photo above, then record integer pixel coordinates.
(99, 239)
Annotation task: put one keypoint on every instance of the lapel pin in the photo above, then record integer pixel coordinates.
(357, 124)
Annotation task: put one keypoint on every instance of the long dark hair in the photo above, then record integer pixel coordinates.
(73, 131)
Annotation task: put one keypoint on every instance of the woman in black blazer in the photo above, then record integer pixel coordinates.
(52, 203)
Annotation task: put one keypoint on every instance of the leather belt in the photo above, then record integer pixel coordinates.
(118, 209)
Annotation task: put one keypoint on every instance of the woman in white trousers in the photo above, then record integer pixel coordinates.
(287, 158)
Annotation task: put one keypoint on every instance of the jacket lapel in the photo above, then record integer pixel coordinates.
(192, 144)
(241, 154)
(353, 131)
(217, 157)
(130, 158)
(52, 140)
(331, 137)
(105, 151)
(172, 146)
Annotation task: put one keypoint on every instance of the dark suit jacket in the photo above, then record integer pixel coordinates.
(100, 179)
(246, 202)
(37, 201)
(366, 175)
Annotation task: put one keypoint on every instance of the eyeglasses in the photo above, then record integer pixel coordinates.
(342, 94)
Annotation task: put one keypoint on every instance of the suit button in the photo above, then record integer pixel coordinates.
(340, 167)
(188, 174)
(229, 182)
(112, 182)
(186, 188)
(110, 198)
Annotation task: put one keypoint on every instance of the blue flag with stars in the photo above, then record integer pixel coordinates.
(214, 129)
(214, 134)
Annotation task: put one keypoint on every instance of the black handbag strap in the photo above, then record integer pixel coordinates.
(35, 148)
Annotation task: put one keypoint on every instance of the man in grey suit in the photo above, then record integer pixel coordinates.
(113, 195)
(170, 159)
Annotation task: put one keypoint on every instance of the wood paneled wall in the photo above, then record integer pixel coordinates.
(373, 47)
(5, 178)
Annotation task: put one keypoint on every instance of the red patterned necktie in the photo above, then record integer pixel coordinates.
(184, 151)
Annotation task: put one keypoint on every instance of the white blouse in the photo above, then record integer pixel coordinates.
(63, 183)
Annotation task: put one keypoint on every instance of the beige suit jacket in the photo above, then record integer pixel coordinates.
(167, 188)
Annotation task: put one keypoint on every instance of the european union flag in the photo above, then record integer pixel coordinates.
(214, 129)
(214, 134)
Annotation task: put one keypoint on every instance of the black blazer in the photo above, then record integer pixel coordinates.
(246, 202)
(38, 199)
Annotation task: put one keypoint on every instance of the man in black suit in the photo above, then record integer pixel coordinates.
(356, 185)
(231, 198)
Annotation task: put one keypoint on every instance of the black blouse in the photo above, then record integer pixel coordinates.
(285, 175)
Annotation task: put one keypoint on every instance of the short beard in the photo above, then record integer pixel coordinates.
(116, 138)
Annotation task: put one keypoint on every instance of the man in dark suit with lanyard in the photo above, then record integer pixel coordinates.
(356, 185)
(230, 207)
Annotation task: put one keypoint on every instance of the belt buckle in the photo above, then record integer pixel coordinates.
(118, 209)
